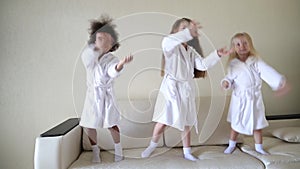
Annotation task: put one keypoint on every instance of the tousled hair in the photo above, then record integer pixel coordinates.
(104, 24)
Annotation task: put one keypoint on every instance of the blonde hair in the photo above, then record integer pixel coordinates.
(250, 43)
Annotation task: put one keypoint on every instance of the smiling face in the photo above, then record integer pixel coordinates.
(104, 42)
(241, 47)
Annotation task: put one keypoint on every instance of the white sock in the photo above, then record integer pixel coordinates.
(118, 152)
(187, 154)
(230, 147)
(146, 153)
(259, 149)
(96, 154)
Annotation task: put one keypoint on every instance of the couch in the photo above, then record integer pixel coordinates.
(66, 145)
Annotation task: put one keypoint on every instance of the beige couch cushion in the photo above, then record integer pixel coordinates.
(289, 134)
(212, 124)
(276, 124)
(209, 157)
(282, 154)
(136, 126)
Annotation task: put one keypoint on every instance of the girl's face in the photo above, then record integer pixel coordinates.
(183, 25)
(103, 42)
(241, 46)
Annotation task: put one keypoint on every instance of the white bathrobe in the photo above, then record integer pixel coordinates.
(247, 111)
(175, 105)
(100, 109)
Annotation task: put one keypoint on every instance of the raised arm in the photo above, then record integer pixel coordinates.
(124, 61)
(116, 66)
(89, 58)
(182, 36)
(173, 40)
(270, 75)
(209, 61)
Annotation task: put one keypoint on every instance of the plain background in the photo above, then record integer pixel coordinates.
(43, 80)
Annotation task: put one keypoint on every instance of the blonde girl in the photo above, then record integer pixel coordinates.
(246, 70)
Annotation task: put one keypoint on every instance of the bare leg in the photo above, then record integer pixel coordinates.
(186, 137)
(233, 135)
(232, 142)
(115, 133)
(157, 132)
(186, 141)
(257, 134)
(92, 134)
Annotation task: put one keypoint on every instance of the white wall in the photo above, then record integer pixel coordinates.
(42, 40)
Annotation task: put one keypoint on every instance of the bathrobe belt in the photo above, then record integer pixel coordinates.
(246, 96)
(103, 96)
(185, 87)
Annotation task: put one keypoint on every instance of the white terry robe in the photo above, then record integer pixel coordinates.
(175, 105)
(100, 109)
(246, 110)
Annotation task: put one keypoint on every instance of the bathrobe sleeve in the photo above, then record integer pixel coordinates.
(89, 58)
(173, 40)
(274, 79)
(229, 77)
(207, 62)
(112, 72)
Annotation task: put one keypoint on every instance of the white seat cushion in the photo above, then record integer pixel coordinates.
(282, 154)
(289, 134)
(210, 157)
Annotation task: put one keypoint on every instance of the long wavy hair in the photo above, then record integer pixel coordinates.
(195, 43)
(104, 24)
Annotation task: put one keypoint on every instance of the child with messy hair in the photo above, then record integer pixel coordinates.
(102, 67)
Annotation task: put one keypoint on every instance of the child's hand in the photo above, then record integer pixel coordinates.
(127, 59)
(283, 90)
(225, 84)
(124, 61)
(224, 52)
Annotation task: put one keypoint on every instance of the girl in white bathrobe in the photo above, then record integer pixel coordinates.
(102, 67)
(245, 74)
(175, 105)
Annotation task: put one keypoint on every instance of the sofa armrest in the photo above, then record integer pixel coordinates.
(283, 117)
(58, 147)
